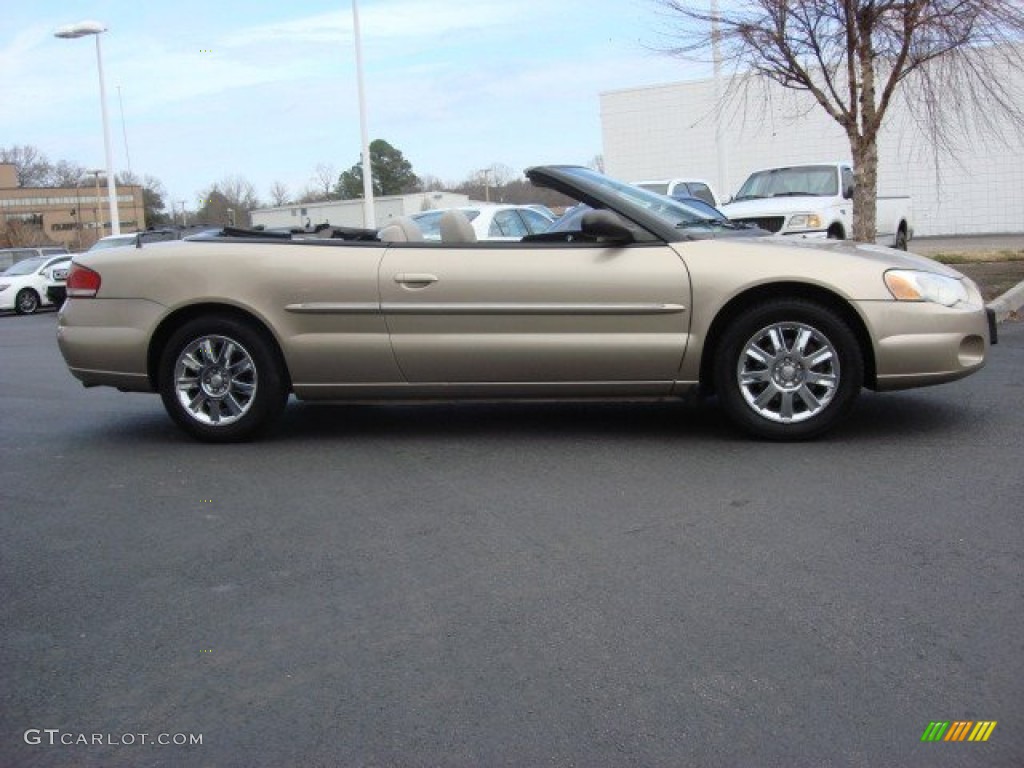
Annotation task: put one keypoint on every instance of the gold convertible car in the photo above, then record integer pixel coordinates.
(635, 303)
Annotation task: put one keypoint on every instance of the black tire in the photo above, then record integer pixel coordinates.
(221, 380)
(788, 369)
(26, 302)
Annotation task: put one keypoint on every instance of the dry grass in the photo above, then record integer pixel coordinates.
(976, 257)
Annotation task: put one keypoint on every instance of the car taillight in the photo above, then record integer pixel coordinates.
(83, 283)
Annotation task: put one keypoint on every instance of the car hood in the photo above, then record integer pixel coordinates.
(884, 257)
(775, 205)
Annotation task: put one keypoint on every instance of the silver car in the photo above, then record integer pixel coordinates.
(225, 327)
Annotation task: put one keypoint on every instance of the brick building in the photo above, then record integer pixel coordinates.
(75, 217)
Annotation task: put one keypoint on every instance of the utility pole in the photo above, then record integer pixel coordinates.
(369, 216)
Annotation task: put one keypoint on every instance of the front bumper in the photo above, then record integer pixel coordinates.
(918, 344)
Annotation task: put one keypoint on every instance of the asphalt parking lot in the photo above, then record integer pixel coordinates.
(520, 585)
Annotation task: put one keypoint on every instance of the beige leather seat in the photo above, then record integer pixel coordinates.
(455, 228)
(401, 230)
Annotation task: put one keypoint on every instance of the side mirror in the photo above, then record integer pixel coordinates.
(605, 225)
(848, 193)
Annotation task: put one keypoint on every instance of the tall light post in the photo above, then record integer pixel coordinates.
(95, 28)
(369, 217)
(98, 224)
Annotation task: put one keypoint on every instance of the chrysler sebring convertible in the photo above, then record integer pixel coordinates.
(226, 326)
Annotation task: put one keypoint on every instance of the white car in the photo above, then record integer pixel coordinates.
(23, 285)
(489, 222)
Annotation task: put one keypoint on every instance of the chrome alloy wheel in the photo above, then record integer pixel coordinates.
(215, 380)
(788, 372)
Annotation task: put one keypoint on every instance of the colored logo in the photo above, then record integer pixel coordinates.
(958, 730)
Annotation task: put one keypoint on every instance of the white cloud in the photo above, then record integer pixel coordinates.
(394, 20)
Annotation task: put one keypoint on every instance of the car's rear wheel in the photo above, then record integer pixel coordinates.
(26, 302)
(220, 380)
(788, 369)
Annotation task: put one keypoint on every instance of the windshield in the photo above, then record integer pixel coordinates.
(799, 181)
(26, 267)
(675, 213)
(430, 221)
(704, 209)
(113, 242)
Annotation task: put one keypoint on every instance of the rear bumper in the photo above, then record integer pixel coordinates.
(105, 342)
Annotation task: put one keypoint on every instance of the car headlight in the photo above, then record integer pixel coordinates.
(908, 285)
(805, 221)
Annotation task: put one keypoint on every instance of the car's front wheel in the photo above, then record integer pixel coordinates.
(220, 380)
(26, 302)
(788, 369)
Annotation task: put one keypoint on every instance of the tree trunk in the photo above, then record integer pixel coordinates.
(865, 189)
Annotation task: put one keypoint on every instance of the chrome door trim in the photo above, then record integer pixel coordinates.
(334, 308)
(524, 308)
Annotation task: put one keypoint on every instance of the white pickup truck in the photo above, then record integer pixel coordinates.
(682, 188)
(815, 201)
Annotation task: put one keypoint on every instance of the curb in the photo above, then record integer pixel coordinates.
(1009, 304)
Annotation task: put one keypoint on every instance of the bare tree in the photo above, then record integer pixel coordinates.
(946, 59)
(16, 233)
(324, 179)
(279, 194)
(65, 174)
(432, 184)
(228, 202)
(32, 166)
(501, 174)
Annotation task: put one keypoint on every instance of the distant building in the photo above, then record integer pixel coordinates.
(75, 217)
(668, 131)
(349, 213)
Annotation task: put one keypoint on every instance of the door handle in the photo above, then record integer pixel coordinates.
(415, 279)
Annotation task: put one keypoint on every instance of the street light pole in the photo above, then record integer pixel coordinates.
(95, 28)
(96, 205)
(369, 216)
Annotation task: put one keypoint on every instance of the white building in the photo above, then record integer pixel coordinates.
(349, 213)
(669, 131)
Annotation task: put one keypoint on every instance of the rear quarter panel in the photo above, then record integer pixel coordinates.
(267, 281)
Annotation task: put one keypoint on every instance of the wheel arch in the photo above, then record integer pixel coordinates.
(178, 318)
(774, 291)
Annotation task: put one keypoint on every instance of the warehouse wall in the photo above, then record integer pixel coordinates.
(669, 131)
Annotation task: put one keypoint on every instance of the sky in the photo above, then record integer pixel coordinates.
(202, 90)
